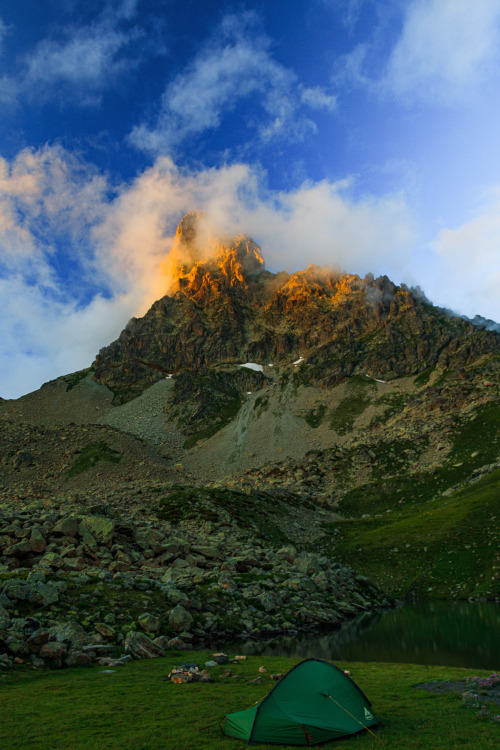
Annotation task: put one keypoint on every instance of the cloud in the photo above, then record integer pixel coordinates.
(468, 261)
(233, 71)
(78, 62)
(85, 62)
(444, 50)
(318, 98)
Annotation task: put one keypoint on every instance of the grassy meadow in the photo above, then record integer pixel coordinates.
(135, 708)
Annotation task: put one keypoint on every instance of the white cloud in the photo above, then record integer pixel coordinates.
(84, 63)
(42, 338)
(81, 61)
(445, 49)
(468, 258)
(318, 98)
(235, 69)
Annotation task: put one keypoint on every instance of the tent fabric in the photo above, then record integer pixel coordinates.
(314, 702)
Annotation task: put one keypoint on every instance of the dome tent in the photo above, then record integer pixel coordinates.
(314, 702)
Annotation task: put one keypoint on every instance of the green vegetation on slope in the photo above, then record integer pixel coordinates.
(75, 377)
(358, 397)
(134, 708)
(91, 455)
(447, 547)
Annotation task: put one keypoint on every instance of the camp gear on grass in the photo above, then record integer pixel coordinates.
(314, 702)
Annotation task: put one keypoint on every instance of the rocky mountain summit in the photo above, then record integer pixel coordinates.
(260, 453)
(228, 309)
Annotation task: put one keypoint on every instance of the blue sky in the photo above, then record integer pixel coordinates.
(361, 134)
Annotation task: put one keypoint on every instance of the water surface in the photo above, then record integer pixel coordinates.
(458, 634)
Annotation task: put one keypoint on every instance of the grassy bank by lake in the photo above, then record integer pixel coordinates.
(135, 708)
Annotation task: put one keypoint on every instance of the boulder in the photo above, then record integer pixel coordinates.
(21, 549)
(31, 591)
(99, 527)
(38, 639)
(67, 526)
(53, 651)
(141, 647)
(52, 560)
(149, 623)
(37, 541)
(78, 659)
(71, 633)
(180, 619)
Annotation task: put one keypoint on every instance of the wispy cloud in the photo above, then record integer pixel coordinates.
(77, 62)
(233, 71)
(444, 50)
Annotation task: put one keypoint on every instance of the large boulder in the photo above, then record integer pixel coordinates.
(140, 646)
(100, 528)
(180, 619)
(67, 526)
(149, 623)
(37, 540)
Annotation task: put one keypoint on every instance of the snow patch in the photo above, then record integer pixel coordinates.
(253, 366)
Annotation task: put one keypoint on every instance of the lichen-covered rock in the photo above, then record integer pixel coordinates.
(53, 651)
(67, 526)
(180, 619)
(149, 623)
(30, 591)
(99, 528)
(37, 540)
(139, 646)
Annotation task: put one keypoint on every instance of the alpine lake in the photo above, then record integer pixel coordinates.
(455, 634)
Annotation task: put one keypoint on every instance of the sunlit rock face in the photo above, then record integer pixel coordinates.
(201, 263)
(223, 307)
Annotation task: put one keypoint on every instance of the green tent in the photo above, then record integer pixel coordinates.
(314, 702)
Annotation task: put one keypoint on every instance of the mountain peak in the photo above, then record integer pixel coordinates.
(201, 257)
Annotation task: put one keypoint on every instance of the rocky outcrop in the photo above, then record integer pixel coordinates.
(225, 308)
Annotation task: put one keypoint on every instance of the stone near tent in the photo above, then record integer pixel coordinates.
(70, 632)
(78, 659)
(38, 639)
(140, 646)
(53, 651)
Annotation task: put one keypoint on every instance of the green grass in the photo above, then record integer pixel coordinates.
(424, 377)
(358, 397)
(446, 547)
(91, 455)
(227, 413)
(136, 709)
(315, 416)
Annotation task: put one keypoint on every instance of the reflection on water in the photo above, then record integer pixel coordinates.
(459, 634)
